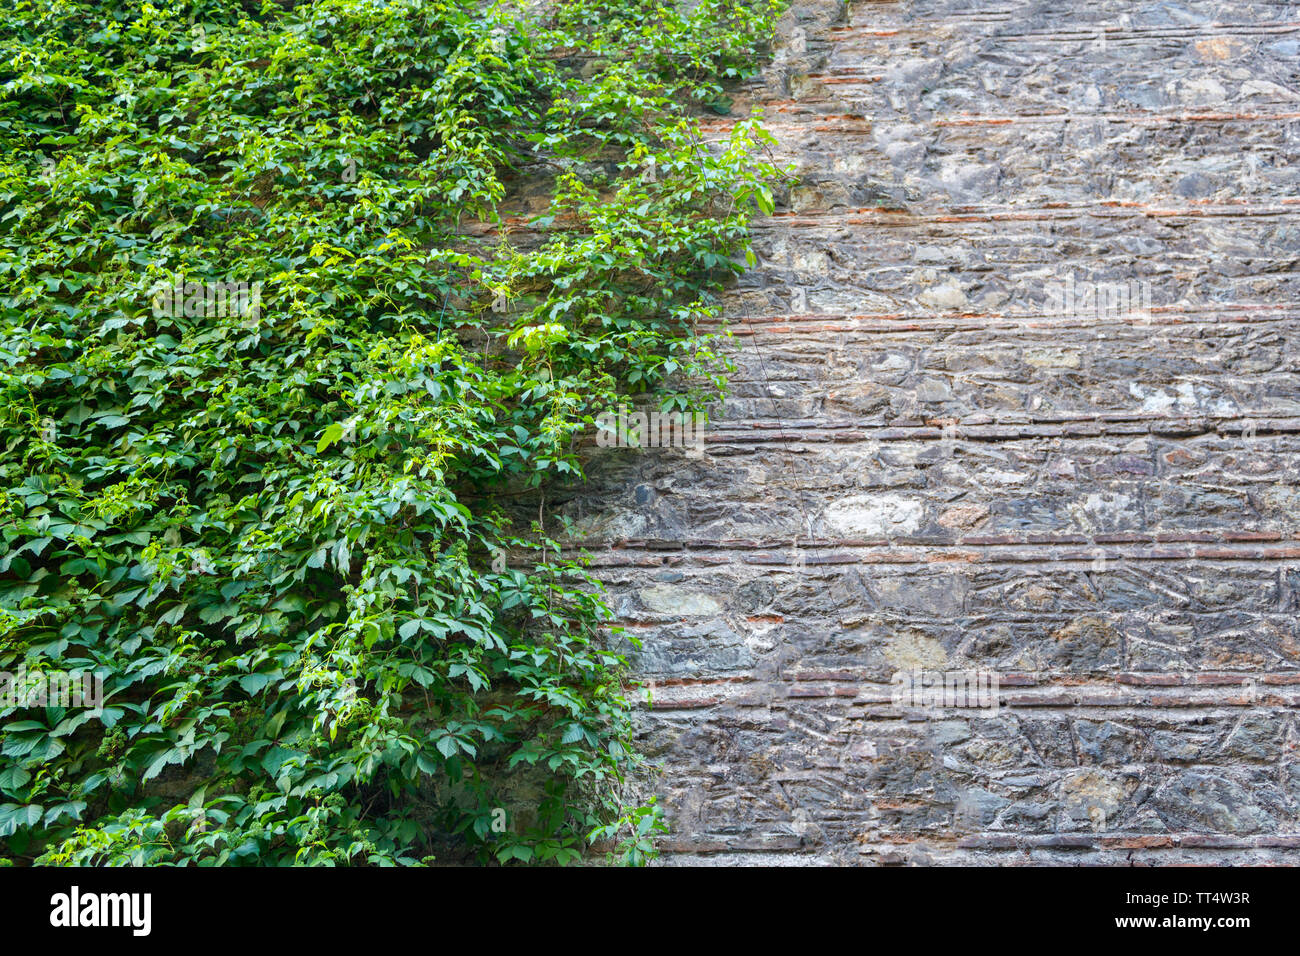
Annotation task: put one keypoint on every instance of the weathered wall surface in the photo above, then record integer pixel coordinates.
(929, 462)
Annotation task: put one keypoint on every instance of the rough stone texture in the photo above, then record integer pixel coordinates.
(924, 465)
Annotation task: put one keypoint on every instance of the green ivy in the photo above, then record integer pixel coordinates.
(273, 353)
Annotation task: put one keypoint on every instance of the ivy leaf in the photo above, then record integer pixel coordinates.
(13, 816)
(253, 683)
(12, 778)
(332, 434)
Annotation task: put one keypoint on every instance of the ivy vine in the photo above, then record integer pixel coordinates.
(275, 346)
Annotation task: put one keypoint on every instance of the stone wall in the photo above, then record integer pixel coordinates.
(952, 444)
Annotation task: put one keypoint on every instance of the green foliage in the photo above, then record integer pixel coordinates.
(633, 834)
(261, 504)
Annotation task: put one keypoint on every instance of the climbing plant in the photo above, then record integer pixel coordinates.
(275, 347)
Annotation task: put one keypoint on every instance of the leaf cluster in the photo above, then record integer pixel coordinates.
(273, 527)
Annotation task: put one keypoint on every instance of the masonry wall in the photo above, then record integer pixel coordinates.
(939, 455)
